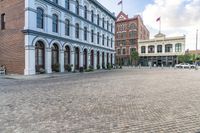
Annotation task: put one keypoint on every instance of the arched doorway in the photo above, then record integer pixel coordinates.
(111, 59)
(107, 56)
(103, 60)
(77, 58)
(92, 58)
(85, 58)
(55, 58)
(39, 56)
(67, 58)
(98, 60)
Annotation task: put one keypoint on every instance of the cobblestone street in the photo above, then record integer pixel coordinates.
(119, 101)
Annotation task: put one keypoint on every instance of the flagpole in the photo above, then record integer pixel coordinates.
(122, 6)
(196, 41)
(160, 26)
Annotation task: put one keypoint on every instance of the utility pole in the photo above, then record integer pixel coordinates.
(196, 42)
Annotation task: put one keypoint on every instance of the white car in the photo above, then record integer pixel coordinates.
(185, 65)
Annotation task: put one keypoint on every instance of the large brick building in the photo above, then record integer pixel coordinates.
(43, 34)
(127, 33)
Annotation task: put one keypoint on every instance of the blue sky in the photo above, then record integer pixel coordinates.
(178, 17)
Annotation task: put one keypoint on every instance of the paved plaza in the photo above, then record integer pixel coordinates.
(117, 101)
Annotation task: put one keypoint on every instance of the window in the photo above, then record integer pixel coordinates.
(132, 42)
(107, 41)
(159, 49)
(103, 39)
(131, 34)
(92, 16)
(92, 35)
(55, 23)
(124, 51)
(3, 26)
(151, 49)
(77, 30)
(107, 25)
(67, 4)
(111, 42)
(97, 19)
(85, 33)
(178, 47)
(111, 27)
(55, 1)
(119, 51)
(77, 7)
(143, 49)
(103, 22)
(40, 18)
(98, 38)
(85, 12)
(67, 27)
(168, 48)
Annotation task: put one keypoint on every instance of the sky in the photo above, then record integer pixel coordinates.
(178, 17)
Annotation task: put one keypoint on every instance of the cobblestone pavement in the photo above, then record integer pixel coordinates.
(118, 101)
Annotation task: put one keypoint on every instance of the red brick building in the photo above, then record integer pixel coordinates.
(11, 37)
(127, 33)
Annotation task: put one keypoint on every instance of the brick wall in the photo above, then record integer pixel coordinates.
(12, 52)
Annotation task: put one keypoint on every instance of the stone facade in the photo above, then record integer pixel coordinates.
(128, 32)
(58, 33)
(161, 51)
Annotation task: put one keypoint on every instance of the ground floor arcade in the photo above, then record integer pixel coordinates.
(158, 60)
(55, 57)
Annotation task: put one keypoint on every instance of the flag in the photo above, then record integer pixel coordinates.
(119, 3)
(158, 19)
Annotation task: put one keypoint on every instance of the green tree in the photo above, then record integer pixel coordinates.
(134, 57)
(185, 58)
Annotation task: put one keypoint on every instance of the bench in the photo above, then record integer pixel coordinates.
(2, 70)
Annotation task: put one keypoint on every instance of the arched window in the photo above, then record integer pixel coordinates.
(40, 18)
(55, 23)
(67, 27)
(107, 41)
(178, 47)
(111, 42)
(103, 22)
(92, 35)
(77, 7)
(92, 16)
(143, 49)
(168, 48)
(85, 33)
(107, 25)
(111, 27)
(103, 37)
(159, 49)
(85, 12)
(97, 19)
(98, 38)
(67, 4)
(77, 30)
(39, 56)
(151, 49)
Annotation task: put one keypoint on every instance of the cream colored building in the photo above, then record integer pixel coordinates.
(161, 50)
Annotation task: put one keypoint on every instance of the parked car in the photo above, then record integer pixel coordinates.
(185, 65)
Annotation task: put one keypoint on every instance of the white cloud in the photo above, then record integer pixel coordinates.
(178, 17)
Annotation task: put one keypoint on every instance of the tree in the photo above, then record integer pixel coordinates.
(134, 57)
(185, 58)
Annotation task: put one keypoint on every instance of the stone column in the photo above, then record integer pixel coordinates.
(100, 59)
(109, 58)
(105, 59)
(29, 60)
(48, 60)
(95, 59)
(81, 58)
(88, 58)
(72, 59)
(61, 60)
